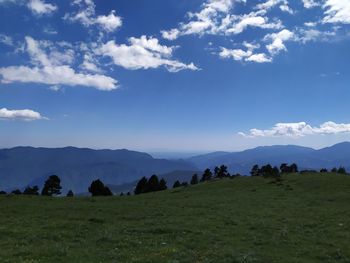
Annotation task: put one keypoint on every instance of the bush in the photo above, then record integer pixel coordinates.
(70, 193)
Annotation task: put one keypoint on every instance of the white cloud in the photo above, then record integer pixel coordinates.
(259, 58)
(278, 40)
(143, 53)
(310, 3)
(6, 40)
(242, 22)
(87, 16)
(307, 35)
(286, 8)
(109, 23)
(246, 55)
(89, 64)
(337, 11)
(53, 69)
(25, 115)
(299, 129)
(39, 7)
(207, 20)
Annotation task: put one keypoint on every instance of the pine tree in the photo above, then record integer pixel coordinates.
(52, 186)
(194, 179)
(97, 188)
(141, 186)
(162, 185)
(176, 184)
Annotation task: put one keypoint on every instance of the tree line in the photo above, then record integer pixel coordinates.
(52, 186)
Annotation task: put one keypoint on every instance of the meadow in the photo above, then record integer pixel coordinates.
(303, 218)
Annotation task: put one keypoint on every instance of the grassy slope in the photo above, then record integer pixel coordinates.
(307, 219)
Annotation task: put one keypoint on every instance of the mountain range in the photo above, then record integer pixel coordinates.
(120, 169)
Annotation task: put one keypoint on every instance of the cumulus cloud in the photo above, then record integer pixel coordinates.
(87, 16)
(299, 129)
(310, 3)
(278, 40)
(39, 7)
(245, 55)
(337, 11)
(209, 19)
(143, 53)
(283, 5)
(53, 69)
(25, 115)
(241, 22)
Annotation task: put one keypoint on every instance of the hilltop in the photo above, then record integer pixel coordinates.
(305, 218)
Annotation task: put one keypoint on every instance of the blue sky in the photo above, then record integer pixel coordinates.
(174, 75)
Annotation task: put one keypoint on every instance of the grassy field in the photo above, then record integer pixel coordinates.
(305, 219)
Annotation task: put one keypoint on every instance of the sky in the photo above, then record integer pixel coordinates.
(175, 75)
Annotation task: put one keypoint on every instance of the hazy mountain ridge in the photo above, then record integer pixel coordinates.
(77, 167)
(306, 158)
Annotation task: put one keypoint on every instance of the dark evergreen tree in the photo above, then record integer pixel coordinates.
(176, 184)
(222, 172)
(275, 172)
(121, 194)
(97, 188)
(128, 194)
(194, 179)
(162, 185)
(255, 171)
(216, 172)
(341, 170)
(52, 186)
(141, 186)
(184, 184)
(284, 168)
(31, 190)
(70, 193)
(3, 193)
(294, 168)
(207, 175)
(334, 170)
(323, 170)
(153, 184)
(16, 192)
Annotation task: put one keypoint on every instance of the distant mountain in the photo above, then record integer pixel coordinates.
(77, 167)
(121, 169)
(306, 158)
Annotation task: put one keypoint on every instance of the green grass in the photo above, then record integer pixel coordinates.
(306, 219)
